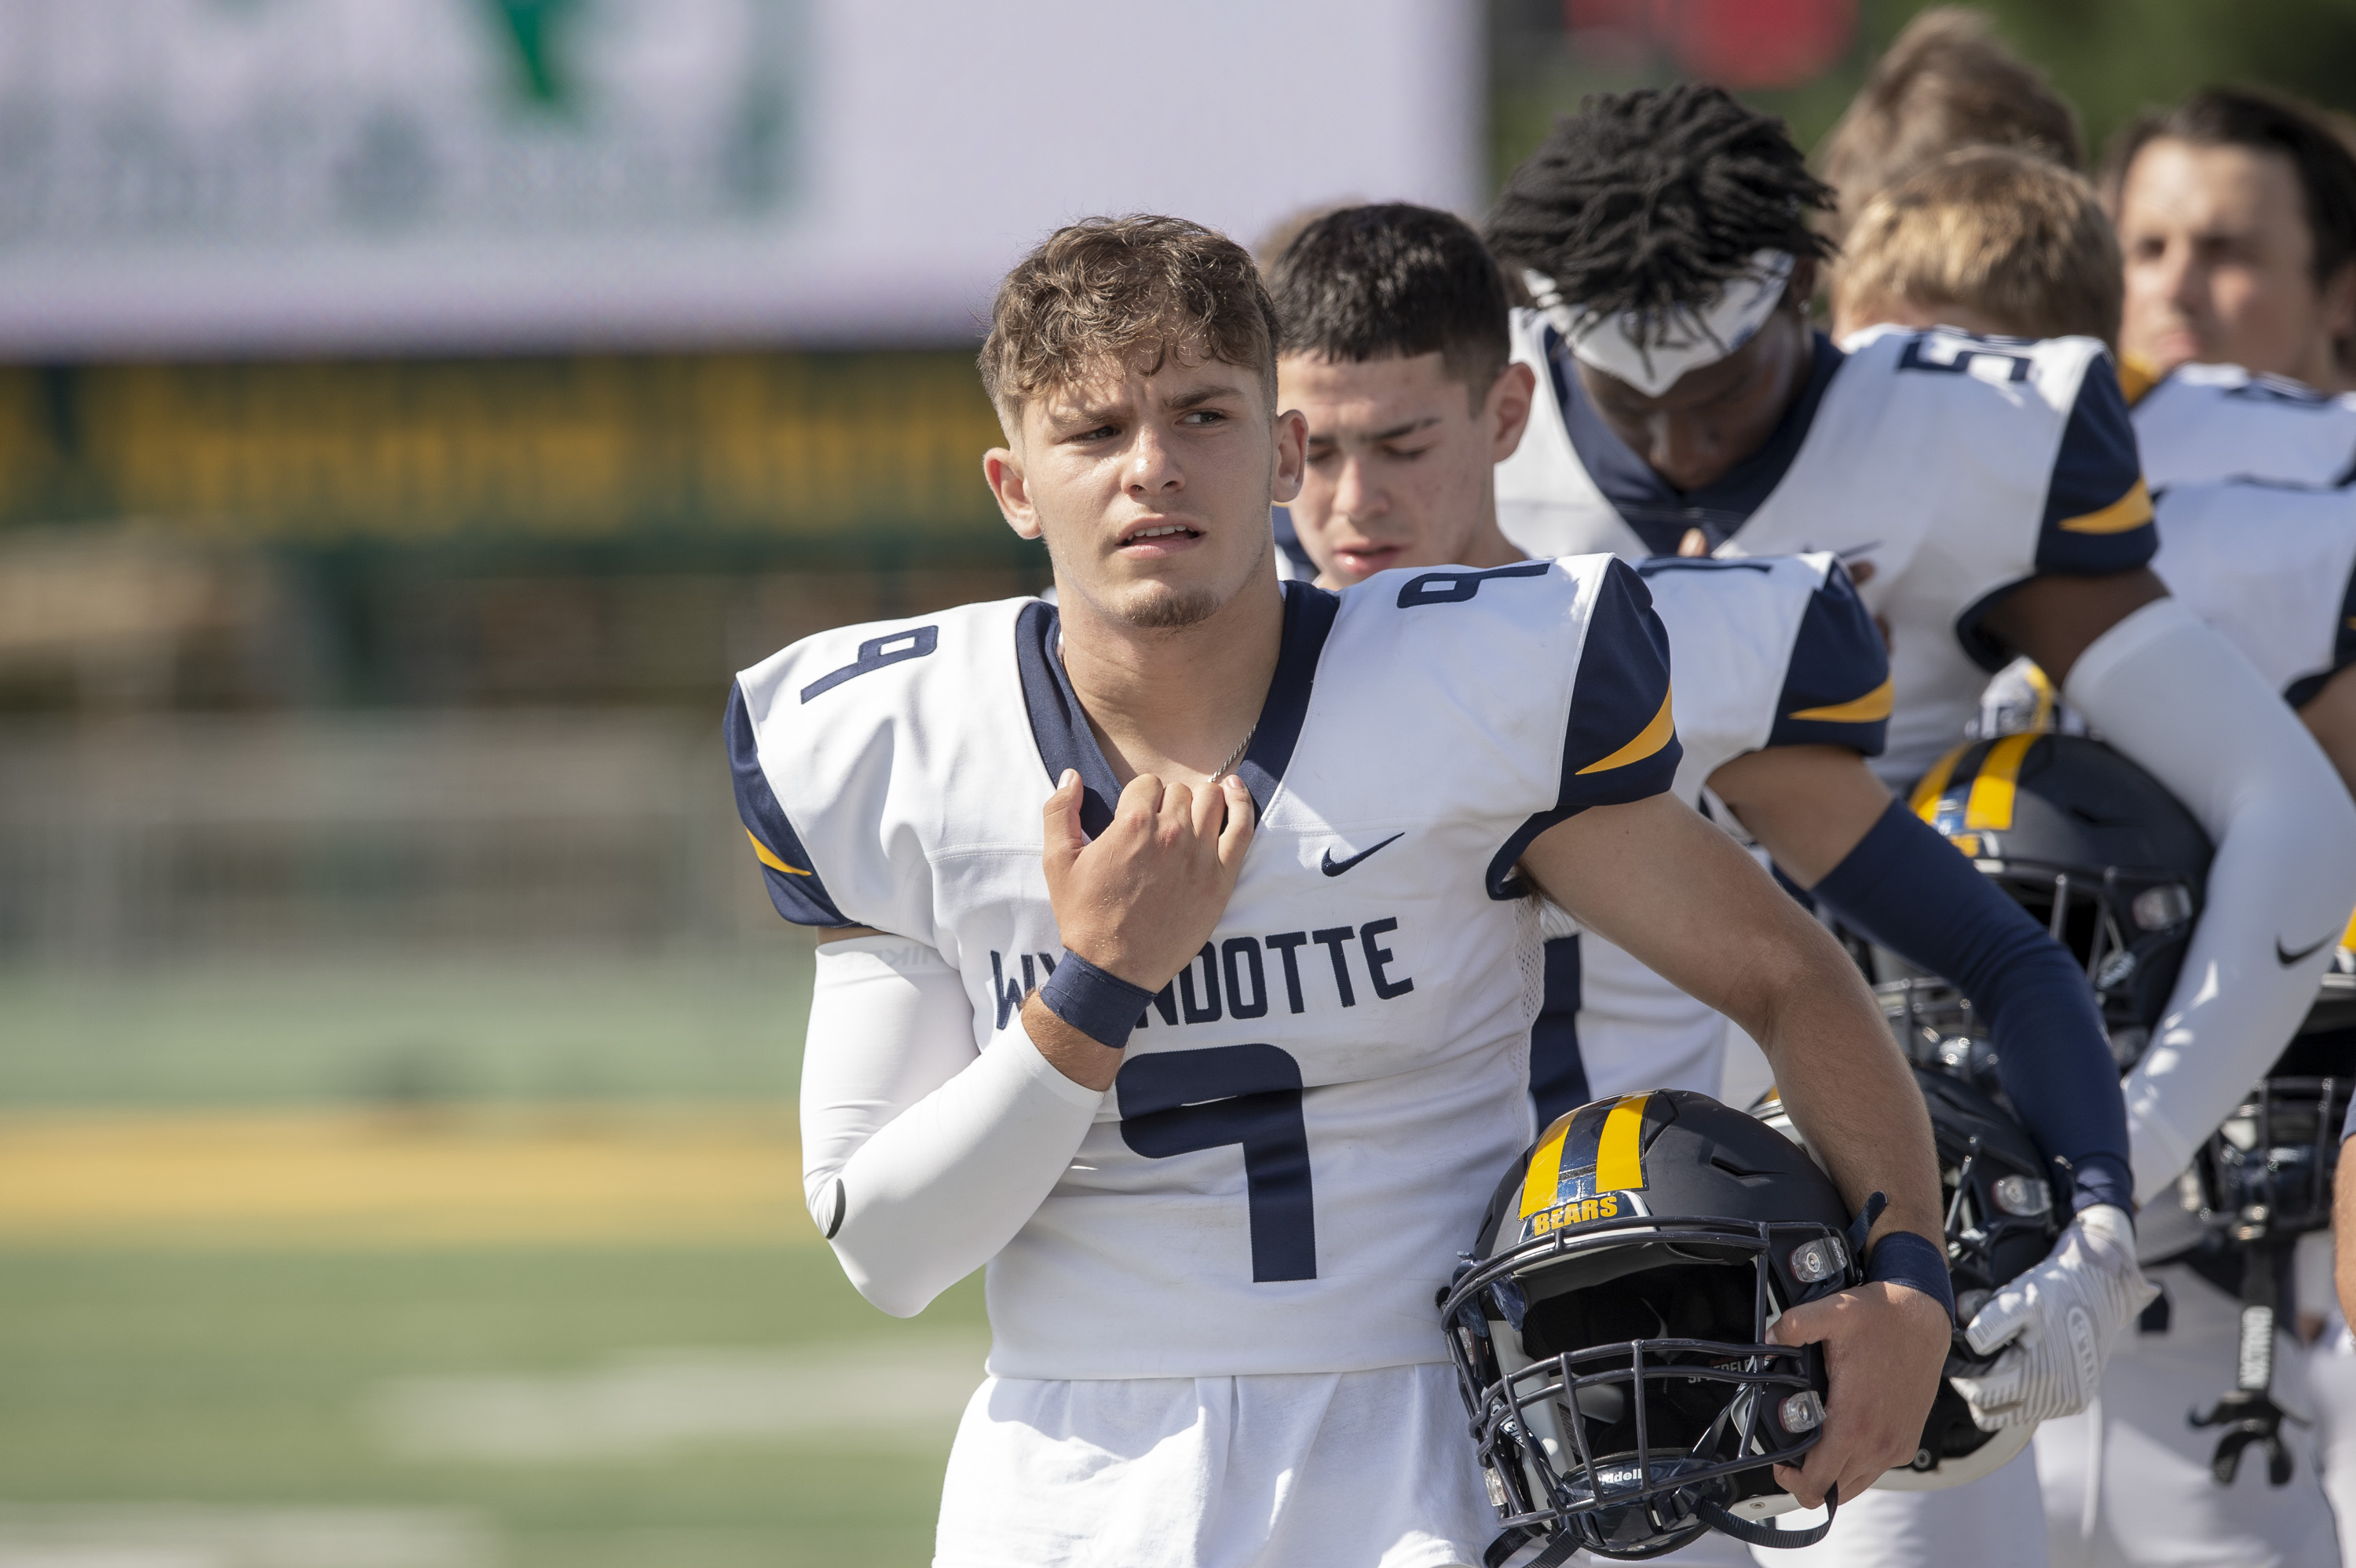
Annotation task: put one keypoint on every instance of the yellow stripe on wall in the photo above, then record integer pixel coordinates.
(1545, 1175)
(1620, 1157)
(2132, 511)
(1874, 704)
(1651, 738)
(1990, 802)
(770, 858)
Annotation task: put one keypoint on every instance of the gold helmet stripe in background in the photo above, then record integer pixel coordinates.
(1990, 802)
(1994, 774)
(1925, 801)
(1606, 1137)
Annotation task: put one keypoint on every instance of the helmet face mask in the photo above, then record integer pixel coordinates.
(1612, 1344)
(2268, 1169)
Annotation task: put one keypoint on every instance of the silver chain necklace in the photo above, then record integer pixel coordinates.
(1236, 755)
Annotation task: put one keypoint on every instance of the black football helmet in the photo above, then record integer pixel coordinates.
(2001, 1220)
(1610, 1327)
(2093, 847)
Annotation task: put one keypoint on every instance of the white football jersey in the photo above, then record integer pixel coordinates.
(1310, 1119)
(1773, 651)
(2204, 422)
(1956, 466)
(2272, 569)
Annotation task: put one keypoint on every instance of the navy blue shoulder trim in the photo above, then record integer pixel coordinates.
(1836, 688)
(1060, 726)
(795, 886)
(1621, 743)
(2097, 517)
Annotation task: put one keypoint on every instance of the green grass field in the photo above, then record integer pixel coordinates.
(233, 1401)
(243, 1384)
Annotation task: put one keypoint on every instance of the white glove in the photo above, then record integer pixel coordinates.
(2059, 1320)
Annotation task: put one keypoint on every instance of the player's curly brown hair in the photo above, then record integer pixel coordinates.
(1113, 288)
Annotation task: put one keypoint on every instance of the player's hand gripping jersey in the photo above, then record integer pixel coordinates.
(1309, 1118)
(2203, 422)
(1956, 466)
(1770, 651)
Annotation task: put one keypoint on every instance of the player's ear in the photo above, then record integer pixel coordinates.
(1507, 414)
(2339, 304)
(1001, 468)
(1801, 292)
(1291, 455)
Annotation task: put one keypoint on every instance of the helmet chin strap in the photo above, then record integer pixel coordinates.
(1763, 1532)
(1751, 1533)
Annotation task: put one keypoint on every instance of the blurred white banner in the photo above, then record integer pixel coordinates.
(207, 176)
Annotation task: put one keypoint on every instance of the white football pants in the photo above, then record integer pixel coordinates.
(2127, 1482)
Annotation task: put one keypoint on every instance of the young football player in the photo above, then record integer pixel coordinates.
(2002, 245)
(2237, 216)
(1987, 494)
(1179, 963)
(1395, 344)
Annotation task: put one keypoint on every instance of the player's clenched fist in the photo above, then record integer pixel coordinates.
(1140, 900)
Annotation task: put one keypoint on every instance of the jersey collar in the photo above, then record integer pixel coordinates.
(1060, 728)
(1659, 514)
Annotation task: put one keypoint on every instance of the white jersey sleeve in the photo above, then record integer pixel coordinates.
(2205, 422)
(1768, 651)
(2272, 569)
(1773, 651)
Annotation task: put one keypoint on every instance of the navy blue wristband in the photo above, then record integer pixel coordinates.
(1102, 1006)
(1903, 1257)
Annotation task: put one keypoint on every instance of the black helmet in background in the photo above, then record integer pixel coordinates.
(1610, 1327)
(2094, 848)
(2002, 1219)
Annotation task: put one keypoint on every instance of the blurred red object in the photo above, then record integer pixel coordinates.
(1735, 43)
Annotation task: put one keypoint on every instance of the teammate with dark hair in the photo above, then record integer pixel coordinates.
(1395, 347)
(1986, 495)
(2237, 216)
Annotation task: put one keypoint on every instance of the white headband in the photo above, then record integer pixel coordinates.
(1651, 351)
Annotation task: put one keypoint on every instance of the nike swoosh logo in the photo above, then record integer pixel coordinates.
(2290, 958)
(1333, 868)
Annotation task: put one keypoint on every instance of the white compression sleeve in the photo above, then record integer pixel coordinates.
(2185, 704)
(921, 1156)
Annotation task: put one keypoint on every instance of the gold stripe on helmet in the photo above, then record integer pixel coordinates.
(1545, 1175)
(1924, 802)
(1620, 1157)
(1990, 803)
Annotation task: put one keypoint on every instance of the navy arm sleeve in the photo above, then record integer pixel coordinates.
(1907, 889)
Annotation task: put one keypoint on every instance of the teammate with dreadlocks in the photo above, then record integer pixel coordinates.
(1987, 496)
